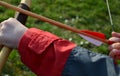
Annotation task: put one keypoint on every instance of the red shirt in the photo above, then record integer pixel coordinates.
(44, 53)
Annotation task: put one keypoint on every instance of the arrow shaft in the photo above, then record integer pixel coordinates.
(56, 23)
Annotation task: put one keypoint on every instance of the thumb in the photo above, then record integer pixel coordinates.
(115, 34)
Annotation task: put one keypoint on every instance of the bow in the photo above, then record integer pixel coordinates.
(5, 51)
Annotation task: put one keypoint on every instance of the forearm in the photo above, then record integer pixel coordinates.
(44, 53)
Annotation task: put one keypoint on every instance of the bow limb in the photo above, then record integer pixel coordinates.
(5, 51)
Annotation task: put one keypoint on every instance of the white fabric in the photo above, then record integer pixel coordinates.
(11, 32)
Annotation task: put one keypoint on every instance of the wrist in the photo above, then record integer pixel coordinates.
(21, 34)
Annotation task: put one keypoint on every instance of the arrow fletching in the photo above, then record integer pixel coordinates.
(92, 40)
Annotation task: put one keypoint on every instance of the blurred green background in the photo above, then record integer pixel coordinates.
(80, 14)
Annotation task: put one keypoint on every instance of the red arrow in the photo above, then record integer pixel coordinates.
(54, 22)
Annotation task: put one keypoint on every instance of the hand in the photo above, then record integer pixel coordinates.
(11, 32)
(115, 47)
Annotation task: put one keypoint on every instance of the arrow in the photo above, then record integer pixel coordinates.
(93, 41)
(56, 23)
(25, 4)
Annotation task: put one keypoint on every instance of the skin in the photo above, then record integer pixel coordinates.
(115, 47)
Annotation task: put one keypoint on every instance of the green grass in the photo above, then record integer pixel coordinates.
(80, 14)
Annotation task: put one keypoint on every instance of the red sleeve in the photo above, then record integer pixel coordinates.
(44, 53)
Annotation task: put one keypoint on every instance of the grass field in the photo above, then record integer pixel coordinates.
(80, 14)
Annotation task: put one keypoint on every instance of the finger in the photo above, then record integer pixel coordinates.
(115, 39)
(115, 34)
(114, 46)
(115, 54)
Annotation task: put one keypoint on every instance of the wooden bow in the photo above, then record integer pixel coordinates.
(5, 51)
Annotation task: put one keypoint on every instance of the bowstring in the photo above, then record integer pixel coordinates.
(110, 16)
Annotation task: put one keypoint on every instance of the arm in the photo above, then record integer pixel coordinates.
(48, 55)
(44, 53)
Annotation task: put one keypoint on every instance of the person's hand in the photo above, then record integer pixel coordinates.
(11, 32)
(115, 47)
